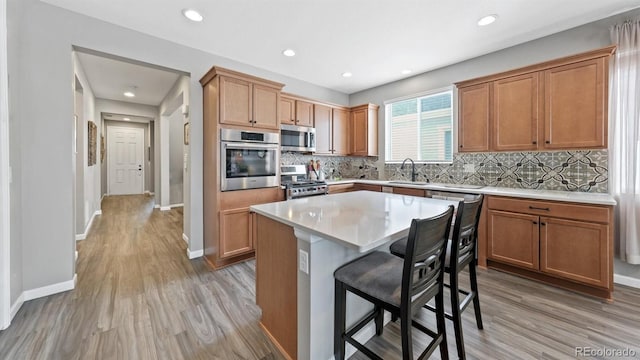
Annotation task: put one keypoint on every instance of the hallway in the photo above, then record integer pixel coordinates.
(139, 297)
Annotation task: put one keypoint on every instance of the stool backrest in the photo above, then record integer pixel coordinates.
(423, 271)
(465, 231)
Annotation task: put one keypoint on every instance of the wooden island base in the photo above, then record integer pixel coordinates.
(277, 284)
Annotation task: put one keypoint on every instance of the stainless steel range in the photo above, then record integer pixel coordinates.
(297, 185)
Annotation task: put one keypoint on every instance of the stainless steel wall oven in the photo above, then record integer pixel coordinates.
(249, 159)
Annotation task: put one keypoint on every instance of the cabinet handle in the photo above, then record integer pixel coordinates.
(543, 224)
(547, 142)
(460, 145)
(535, 223)
(538, 208)
(534, 142)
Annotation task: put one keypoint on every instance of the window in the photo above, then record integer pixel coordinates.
(420, 128)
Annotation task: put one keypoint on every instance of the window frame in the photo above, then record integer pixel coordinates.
(454, 123)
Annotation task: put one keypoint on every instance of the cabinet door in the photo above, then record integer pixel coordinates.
(235, 101)
(575, 105)
(266, 103)
(513, 239)
(359, 133)
(515, 113)
(304, 113)
(322, 118)
(340, 132)
(575, 250)
(473, 117)
(287, 111)
(236, 234)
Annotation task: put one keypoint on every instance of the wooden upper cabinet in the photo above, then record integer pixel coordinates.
(515, 113)
(576, 105)
(266, 101)
(575, 250)
(304, 113)
(473, 119)
(340, 132)
(235, 101)
(322, 115)
(287, 110)
(364, 130)
(247, 103)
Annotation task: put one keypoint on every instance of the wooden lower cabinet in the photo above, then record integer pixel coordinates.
(368, 187)
(236, 235)
(575, 250)
(341, 188)
(409, 191)
(513, 239)
(564, 244)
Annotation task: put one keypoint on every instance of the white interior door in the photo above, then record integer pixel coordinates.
(125, 154)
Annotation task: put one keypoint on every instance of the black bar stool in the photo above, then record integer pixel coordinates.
(461, 252)
(399, 286)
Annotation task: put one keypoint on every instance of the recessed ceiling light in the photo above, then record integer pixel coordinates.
(288, 52)
(129, 94)
(347, 74)
(489, 19)
(192, 15)
(406, 71)
(126, 119)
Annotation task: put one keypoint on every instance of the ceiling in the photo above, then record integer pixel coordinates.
(374, 40)
(110, 78)
(124, 117)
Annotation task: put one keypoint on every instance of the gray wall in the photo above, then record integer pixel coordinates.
(44, 139)
(14, 12)
(176, 156)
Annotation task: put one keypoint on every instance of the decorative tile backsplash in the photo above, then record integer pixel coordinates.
(585, 171)
(337, 166)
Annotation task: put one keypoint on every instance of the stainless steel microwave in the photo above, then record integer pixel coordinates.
(297, 138)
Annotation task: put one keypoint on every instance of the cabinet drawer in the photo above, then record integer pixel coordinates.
(377, 188)
(409, 191)
(549, 208)
(341, 188)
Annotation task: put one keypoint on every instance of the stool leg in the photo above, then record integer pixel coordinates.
(473, 279)
(405, 334)
(379, 320)
(339, 321)
(440, 320)
(456, 315)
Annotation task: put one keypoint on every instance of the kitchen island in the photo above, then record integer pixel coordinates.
(300, 243)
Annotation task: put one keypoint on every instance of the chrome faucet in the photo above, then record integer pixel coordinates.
(413, 168)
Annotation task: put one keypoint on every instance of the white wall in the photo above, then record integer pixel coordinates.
(5, 231)
(176, 156)
(14, 13)
(90, 176)
(46, 38)
(127, 108)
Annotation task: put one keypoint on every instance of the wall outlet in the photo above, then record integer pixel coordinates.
(304, 262)
(469, 168)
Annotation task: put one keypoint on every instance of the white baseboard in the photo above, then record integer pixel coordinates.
(15, 307)
(88, 227)
(165, 208)
(147, 192)
(156, 206)
(50, 289)
(626, 280)
(76, 255)
(176, 205)
(185, 238)
(102, 198)
(195, 254)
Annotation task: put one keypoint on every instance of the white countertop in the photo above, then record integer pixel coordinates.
(566, 196)
(362, 220)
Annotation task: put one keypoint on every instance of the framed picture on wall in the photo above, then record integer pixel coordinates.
(93, 134)
(187, 128)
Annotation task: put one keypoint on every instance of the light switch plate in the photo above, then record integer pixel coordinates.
(304, 261)
(469, 168)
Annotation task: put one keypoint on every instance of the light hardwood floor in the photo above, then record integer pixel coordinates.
(139, 297)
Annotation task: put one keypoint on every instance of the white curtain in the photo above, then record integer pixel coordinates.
(624, 144)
